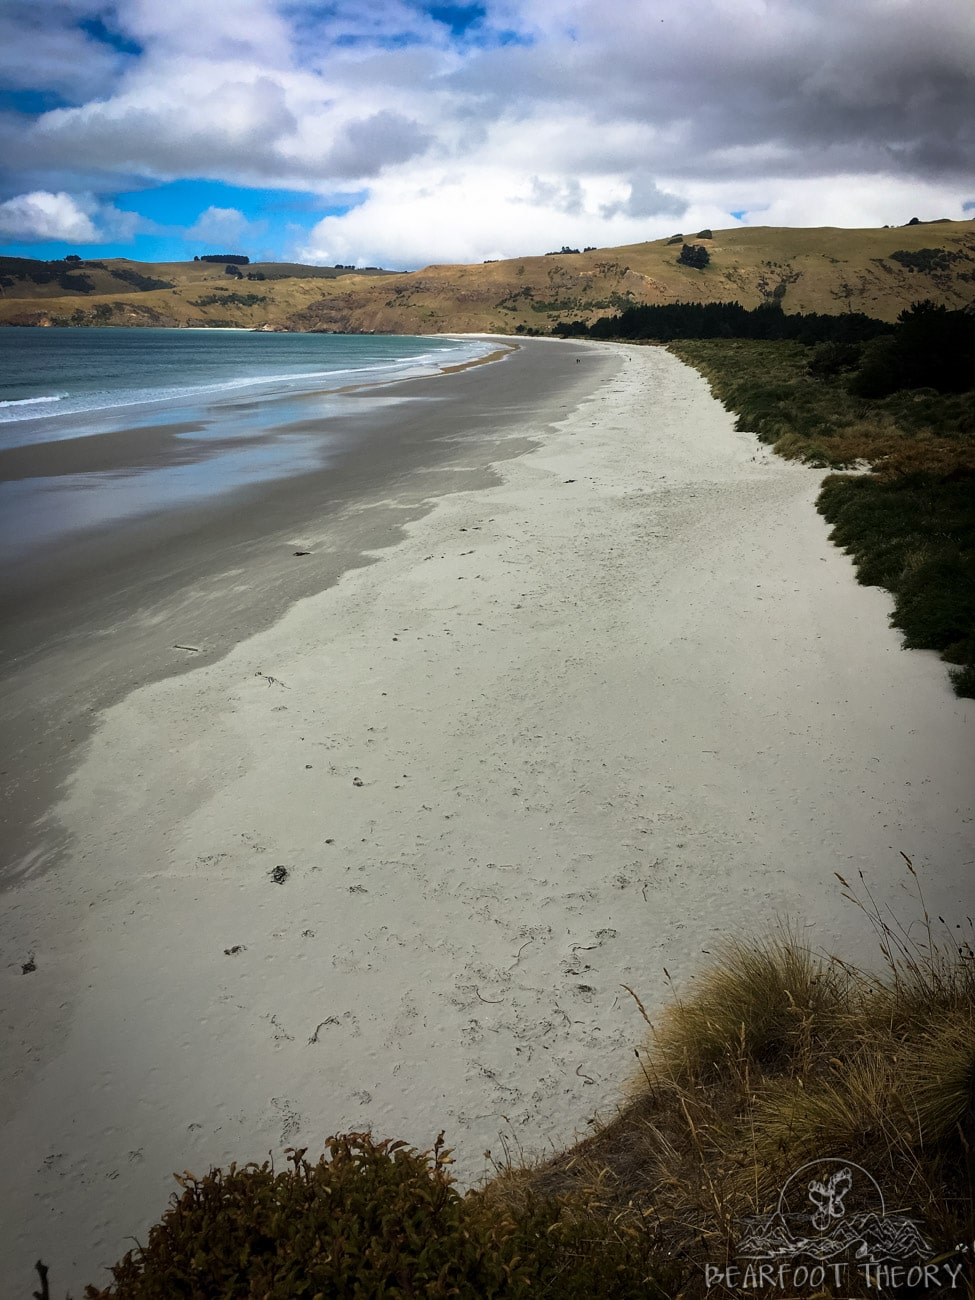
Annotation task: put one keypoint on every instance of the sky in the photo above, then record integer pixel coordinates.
(399, 133)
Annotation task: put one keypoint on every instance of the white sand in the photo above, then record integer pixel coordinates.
(507, 769)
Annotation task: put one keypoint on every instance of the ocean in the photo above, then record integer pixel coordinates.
(66, 383)
(203, 413)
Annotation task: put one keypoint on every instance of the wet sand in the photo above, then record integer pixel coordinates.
(87, 620)
(576, 687)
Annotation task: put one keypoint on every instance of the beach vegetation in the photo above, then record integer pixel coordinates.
(779, 1056)
(776, 1056)
(908, 523)
(373, 1218)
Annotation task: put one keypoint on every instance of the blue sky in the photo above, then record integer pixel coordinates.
(400, 133)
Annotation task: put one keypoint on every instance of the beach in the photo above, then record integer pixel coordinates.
(357, 801)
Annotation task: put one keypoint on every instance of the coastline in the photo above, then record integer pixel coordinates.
(584, 689)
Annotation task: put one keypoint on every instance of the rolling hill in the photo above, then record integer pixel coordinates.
(879, 272)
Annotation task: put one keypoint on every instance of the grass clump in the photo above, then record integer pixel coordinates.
(781, 1057)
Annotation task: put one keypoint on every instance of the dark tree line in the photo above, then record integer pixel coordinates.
(928, 347)
(729, 320)
(931, 347)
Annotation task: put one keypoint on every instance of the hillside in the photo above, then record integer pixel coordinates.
(879, 272)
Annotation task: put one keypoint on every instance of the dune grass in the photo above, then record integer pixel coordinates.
(783, 1056)
(908, 523)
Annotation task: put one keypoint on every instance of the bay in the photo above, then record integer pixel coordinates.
(98, 427)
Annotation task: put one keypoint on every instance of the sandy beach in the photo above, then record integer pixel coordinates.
(568, 689)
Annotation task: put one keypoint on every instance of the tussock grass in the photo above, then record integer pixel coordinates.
(781, 1056)
(765, 1002)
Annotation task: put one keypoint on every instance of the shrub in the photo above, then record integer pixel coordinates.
(230, 297)
(925, 259)
(370, 1219)
(695, 255)
(833, 358)
(76, 282)
(144, 283)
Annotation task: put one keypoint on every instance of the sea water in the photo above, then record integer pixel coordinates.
(240, 408)
(65, 383)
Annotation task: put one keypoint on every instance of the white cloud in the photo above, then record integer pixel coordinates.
(852, 201)
(594, 124)
(221, 226)
(42, 215)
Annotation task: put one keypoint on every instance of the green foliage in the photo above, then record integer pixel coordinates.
(63, 272)
(831, 359)
(144, 283)
(931, 347)
(237, 259)
(231, 297)
(75, 283)
(369, 1219)
(730, 320)
(916, 537)
(695, 255)
(926, 259)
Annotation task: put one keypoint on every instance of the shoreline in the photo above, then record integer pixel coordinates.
(85, 624)
(594, 691)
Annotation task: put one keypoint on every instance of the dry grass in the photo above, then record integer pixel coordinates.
(822, 270)
(783, 1056)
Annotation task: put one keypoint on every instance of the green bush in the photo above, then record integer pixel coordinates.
(833, 359)
(370, 1219)
(144, 283)
(926, 259)
(695, 255)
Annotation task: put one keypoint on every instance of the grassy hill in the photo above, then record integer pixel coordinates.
(879, 272)
(119, 291)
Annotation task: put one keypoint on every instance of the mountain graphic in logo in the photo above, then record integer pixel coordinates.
(831, 1209)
